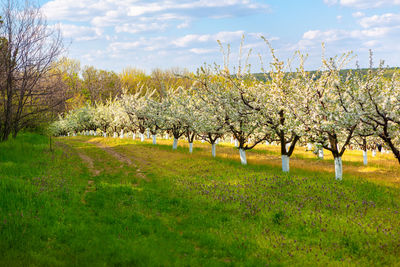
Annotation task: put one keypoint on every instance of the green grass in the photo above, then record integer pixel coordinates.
(190, 210)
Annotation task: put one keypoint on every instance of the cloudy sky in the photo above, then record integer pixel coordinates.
(148, 34)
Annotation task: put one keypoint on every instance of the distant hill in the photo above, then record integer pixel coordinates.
(388, 73)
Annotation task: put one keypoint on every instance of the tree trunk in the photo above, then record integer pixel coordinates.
(154, 139)
(321, 153)
(365, 158)
(175, 144)
(338, 168)
(190, 148)
(285, 163)
(214, 150)
(242, 154)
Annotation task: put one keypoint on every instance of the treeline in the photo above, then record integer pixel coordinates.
(89, 85)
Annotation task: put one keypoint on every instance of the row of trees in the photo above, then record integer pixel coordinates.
(288, 107)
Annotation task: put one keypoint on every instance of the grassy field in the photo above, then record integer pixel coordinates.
(104, 201)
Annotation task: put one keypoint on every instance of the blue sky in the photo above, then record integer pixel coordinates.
(148, 34)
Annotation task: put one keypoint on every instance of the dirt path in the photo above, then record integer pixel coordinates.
(84, 157)
(112, 152)
(120, 157)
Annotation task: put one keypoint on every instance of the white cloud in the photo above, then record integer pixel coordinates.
(310, 35)
(358, 14)
(388, 19)
(147, 44)
(80, 33)
(119, 46)
(363, 4)
(224, 37)
(330, 2)
(103, 13)
(140, 27)
(73, 10)
(202, 50)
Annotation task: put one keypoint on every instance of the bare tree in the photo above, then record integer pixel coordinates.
(28, 50)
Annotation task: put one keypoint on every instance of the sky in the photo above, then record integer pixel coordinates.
(148, 34)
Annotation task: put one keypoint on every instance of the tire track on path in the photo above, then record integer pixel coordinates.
(85, 158)
(120, 157)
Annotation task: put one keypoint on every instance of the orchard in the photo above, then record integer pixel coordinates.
(324, 109)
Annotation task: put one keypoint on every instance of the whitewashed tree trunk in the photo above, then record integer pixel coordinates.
(175, 144)
(202, 141)
(95, 133)
(167, 136)
(190, 148)
(309, 146)
(242, 154)
(214, 150)
(133, 136)
(249, 140)
(68, 134)
(321, 153)
(338, 168)
(285, 163)
(142, 137)
(236, 143)
(122, 134)
(154, 139)
(148, 134)
(104, 134)
(365, 157)
(232, 141)
(115, 135)
(287, 146)
(374, 153)
(74, 134)
(267, 143)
